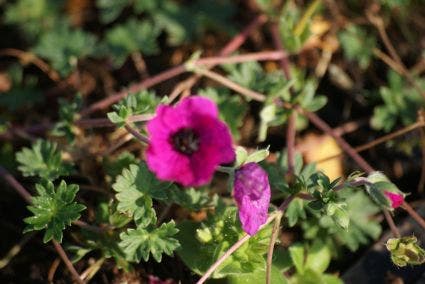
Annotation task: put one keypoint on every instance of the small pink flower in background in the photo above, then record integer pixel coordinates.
(188, 142)
(157, 280)
(396, 199)
(252, 195)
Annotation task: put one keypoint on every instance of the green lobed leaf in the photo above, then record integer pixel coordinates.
(139, 243)
(63, 46)
(34, 17)
(192, 199)
(132, 36)
(357, 45)
(68, 113)
(42, 160)
(222, 230)
(135, 187)
(110, 9)
(295, 212)
(141, 102)
(114, 166)
(401, 102)
(53, 209)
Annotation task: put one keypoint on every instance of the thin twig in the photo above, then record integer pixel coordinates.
(391, 224)
(418, 218)
(145, 84)
(290, 142)
(291, 130)
(173, 72)
(169, 73)
(421, 183)
(379, 140)
(136, 134)
(15, 250)
(67, 262)
(15, 185)
(140, 64)
(105, 122)
(52, 269)
(273, 238)
(352, 153)
(255, 56)
(28, 57)
(240, 38)
(229, 48)
(342, 143)
(284, 63)
(230, 84)
(222, 258)
(379, 24)
(389, 61)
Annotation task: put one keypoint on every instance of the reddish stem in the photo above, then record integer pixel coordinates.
(341, 142)
(67, 262)
(290, 142)
(174, 71)
(240, 38)
(418, 218)
(284, 63)
(149, 82)
(15, 185)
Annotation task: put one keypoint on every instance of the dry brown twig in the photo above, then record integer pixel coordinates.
(27, 57)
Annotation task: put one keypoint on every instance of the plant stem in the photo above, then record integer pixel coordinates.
(145, 84)
(136, 134)
(391, 224)
(379, 140)
(341, 141)
(222, 258)
(67, 262)
(229, 48)
(290, 143)
(413, 214)
(272, 242)
(230, 84)
(28, 57)
(105, 122)
(15, 185)
(15, 250)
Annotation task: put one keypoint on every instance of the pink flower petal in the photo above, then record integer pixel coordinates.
(188, 166)
(252, 196)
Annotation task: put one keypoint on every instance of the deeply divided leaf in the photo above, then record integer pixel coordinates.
(53, 209)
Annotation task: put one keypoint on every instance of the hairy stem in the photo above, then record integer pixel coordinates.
(136, 134)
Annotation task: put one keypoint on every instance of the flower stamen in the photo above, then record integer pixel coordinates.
(185, 141)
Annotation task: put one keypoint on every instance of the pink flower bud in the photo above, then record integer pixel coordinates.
(395, 198)
(252, 195)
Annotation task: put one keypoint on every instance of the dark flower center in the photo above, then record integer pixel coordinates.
(185, 141)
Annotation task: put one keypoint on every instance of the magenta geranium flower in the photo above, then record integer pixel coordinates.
(395, 198)
(188, 142)
(252, 195)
